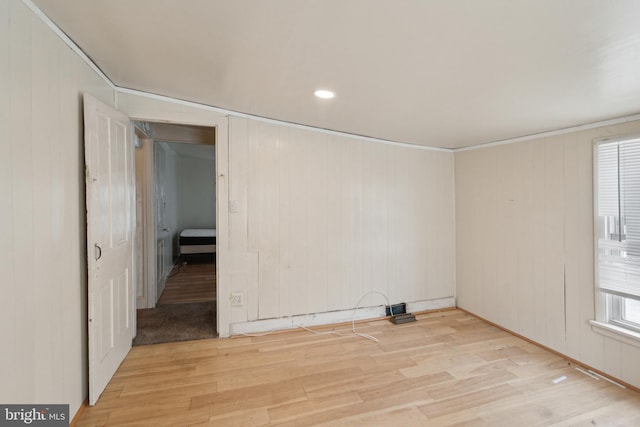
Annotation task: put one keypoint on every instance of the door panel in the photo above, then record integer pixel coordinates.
(162, 263)
(141, 285)
(110, 190)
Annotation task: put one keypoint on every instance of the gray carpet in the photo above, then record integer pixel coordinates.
(176, 322)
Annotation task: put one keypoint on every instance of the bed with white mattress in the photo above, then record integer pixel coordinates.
(197, 241)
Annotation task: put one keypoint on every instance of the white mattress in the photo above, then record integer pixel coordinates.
(198, 232)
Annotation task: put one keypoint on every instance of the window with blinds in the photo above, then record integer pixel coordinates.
(617, 217)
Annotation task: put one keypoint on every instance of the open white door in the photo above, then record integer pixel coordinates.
(110, 183)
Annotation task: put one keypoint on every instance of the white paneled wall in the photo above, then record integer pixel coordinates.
(524, 227)
(43, 318)
(322, 219)
(197, 195)
(167, 165)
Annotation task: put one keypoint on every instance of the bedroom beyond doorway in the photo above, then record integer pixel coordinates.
(176, 192)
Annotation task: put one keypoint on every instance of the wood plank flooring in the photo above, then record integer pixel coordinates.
(190, 282)
(448, 368)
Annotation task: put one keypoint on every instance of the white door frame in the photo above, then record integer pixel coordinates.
(150, 233)
(149, 297)
(144, 107)
(160, 231)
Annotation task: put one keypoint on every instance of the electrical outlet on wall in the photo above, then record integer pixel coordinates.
(237, 299)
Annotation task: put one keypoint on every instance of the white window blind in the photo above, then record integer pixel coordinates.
(618, 217)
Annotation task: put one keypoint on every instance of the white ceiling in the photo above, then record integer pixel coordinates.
(442, 73)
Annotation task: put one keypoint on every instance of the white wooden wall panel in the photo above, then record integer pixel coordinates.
(354, 152)
(440, 195)
(417, 221)
(328, 218)
(553, 249)
(629, 370)
(525, 282)
(252, 193)
(539, 243)
(253, 205)
(336, 224)
(268, 221)
(524, 245)
(506, 277)
(401, 247)
(21, 180)
(383, 183)
(45, 69)
(11, 356)
(368, 212)
(612, 361)
(239, 168)
(298, 221)
(418, 217)
(573, 233)
(284, 220)
(42, 251)
(393, 223)
(427, 215)
(316, 214)
(238, 226)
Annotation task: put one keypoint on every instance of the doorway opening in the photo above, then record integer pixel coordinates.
(176, 226)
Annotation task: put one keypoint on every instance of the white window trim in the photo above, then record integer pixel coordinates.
(603, 323)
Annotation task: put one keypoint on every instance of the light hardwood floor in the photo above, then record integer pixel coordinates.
(190, 282)
(448, 368)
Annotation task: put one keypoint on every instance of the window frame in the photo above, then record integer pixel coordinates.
(616, 313)
(609, 307)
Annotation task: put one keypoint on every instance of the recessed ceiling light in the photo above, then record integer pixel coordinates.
(324, 94)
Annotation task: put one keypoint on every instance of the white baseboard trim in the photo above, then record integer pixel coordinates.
(434, 304)
(331, 317)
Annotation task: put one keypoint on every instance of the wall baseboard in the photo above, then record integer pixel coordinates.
(78, 414)
(557, 353)
(331, 317)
